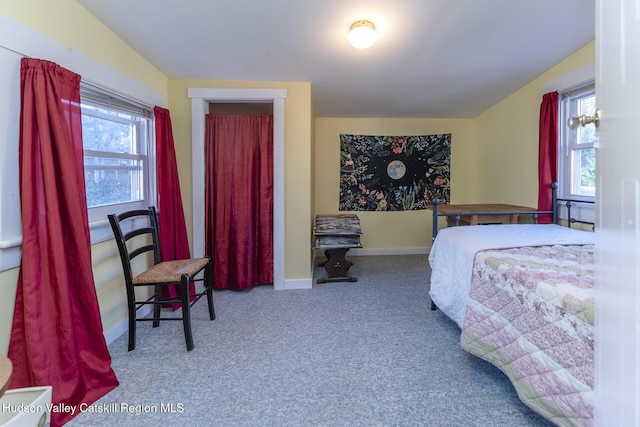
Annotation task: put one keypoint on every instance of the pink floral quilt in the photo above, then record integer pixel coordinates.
(530, 313)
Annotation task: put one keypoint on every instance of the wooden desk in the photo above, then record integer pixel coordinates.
(475, 214)
(336, 234)
(6, 370)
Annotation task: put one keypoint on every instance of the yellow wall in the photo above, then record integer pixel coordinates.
(393, 230)
(494, 158)
(297, 160)
(67, 22)
(80, 31)
(508, 135)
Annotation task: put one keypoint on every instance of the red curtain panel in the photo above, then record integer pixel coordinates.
(174, 243)
(547, 153)
(239, 199)
(56, 337)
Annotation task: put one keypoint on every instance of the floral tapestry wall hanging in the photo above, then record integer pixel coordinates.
(393, 173)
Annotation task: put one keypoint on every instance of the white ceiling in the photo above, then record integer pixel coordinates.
(433, 58)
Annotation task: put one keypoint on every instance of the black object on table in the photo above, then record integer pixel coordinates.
(336, 234)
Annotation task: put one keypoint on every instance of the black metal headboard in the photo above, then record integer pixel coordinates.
(569, 203)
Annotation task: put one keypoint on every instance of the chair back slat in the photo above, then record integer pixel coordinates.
(144, 223)
(129, 214)
(140, 250)
(136, 233)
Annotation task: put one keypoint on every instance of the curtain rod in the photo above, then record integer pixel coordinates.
(92, 84)
(15, 51)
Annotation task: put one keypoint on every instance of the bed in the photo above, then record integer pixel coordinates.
(522, 295)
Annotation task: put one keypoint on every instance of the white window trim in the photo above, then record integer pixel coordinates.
(97, 214)
(17, 41)
(576, 78)
(566, 153)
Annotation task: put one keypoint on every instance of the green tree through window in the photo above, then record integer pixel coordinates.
(116, 137)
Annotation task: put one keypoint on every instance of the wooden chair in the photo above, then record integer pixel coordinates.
(136, 233)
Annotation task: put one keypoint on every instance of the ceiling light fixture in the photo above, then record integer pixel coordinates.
(362, 34)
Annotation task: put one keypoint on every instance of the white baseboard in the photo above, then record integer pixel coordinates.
(115, 332)
(289, 284)
(123, 327)
(296, 284)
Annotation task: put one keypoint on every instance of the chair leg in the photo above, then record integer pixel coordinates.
(132, 323)
(186, 311)
(156, 307)
(208, 283)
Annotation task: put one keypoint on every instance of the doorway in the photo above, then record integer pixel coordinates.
(200, 100)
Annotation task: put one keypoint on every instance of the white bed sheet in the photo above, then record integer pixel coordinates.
(454, 249)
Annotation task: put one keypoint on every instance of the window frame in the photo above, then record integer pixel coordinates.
(100, 97)
(21, 41)
(567, 144)
(579, 211)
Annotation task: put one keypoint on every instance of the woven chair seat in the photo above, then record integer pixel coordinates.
(170, 271)
(142, 237)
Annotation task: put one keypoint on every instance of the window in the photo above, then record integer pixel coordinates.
(577, 159)
(117, 139)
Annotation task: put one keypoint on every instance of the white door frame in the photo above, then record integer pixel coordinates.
(200, 99)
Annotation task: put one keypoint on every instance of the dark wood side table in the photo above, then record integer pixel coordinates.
(6, 371)
(336, 234)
